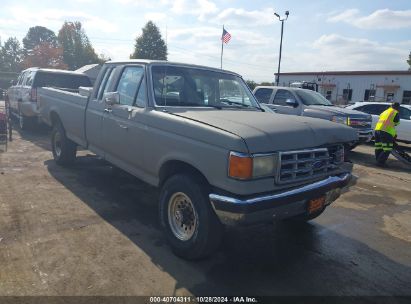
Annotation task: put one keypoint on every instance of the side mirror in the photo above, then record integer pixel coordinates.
(111, 98)
(13, 82)
(291, 102)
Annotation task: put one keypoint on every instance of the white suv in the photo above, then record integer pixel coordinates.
(23, 93)
(376, 108)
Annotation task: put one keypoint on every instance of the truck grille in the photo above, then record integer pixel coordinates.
(308, 164)
(359, 123)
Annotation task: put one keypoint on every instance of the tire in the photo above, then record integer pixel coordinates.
(64, 150)
(184, 198)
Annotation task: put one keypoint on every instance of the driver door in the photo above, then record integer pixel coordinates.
(123, 129)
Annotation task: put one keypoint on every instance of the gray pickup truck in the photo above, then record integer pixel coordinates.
(199, 134)
(303, 102)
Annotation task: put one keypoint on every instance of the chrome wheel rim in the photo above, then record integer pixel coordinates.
(182, 216)
(57, 144)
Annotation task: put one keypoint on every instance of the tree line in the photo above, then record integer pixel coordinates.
(41, 47)
(70, 48)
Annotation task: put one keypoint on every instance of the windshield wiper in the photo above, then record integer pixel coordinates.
(227, 101)
(196, 105)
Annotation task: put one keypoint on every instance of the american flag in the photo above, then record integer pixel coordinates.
(226, 36)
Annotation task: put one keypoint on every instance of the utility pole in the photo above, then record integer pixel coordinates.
(281, 43)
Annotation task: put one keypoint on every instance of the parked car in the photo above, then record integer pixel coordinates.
(23, 93)
(376, 108)
(302, 102)
(199, 134)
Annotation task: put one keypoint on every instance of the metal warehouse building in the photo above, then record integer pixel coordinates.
(351, 86)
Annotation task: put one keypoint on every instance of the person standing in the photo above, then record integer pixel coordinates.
(385, 133)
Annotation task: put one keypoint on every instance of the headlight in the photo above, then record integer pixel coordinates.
(245, 166)
(341, 119)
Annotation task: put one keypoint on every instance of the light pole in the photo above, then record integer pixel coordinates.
(281, 42)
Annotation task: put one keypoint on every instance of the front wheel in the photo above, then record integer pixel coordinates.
(64, 150)
(190, 224)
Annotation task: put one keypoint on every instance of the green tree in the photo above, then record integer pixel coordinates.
(265, 83)
(150, 45)
(11, 55)
(39, 35)
(251, 84)
(409, 61)
(77, 49)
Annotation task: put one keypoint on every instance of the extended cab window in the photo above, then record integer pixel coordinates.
(104, 83)
(263, 95)
(281, 96)
(129, 83)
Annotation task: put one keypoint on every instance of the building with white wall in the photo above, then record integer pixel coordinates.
(351, 86)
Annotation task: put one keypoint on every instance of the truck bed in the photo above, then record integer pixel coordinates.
(56, 101)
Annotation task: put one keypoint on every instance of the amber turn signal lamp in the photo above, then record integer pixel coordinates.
(240, 167)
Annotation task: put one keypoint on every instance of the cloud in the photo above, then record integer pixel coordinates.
(200, 8)
(239, 16)
(380, 19)
(336, 52)
(142, 3)
(155, 17)
(54, 18)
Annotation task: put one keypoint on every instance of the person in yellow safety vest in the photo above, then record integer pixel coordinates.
(385, 133)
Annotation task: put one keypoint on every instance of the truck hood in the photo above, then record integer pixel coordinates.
(268, 132)
(333, 110)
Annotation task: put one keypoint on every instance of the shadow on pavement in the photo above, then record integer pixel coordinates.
(279, 259)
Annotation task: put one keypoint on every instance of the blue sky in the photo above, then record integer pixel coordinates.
(319, 35)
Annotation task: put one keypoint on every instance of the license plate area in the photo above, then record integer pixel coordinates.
(316, 204)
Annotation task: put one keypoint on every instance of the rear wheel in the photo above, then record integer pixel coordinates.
(190, 224)
(64, 150)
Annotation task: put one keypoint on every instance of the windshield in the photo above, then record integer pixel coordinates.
(193, 87)
(310, 98)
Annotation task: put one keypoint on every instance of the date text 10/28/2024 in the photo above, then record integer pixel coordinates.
(203, 300)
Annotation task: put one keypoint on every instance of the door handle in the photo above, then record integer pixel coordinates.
(123, 126)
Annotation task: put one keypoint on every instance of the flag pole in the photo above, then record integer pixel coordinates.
(222, 49)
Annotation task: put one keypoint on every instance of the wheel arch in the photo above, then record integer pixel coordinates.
(173, 167)
(54, 118)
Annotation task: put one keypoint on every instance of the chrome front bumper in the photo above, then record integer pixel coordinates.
(365, 135)
(248, 210)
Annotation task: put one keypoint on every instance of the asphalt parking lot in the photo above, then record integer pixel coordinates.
(91, 230)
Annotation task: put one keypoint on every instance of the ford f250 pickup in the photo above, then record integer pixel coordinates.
(199, 134)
